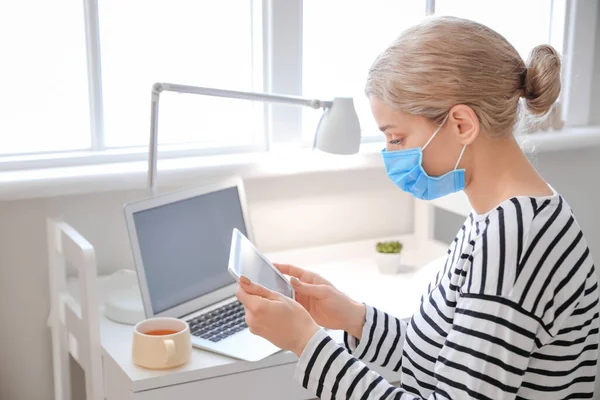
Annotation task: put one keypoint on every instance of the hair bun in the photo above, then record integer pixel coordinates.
(541, 79)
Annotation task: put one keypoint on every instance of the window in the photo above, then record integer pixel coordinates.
(44, 99)
(338, 49)
(80, 73)
(525, 24)
(189, 42)
(337, 52)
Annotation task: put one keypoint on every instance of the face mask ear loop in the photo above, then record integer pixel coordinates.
(460, 157)
(436, 132)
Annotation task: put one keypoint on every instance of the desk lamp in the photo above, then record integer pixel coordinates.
(338, 131)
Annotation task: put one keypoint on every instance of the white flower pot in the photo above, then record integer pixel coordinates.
(388, 263)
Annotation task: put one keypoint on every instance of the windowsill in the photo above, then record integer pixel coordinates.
(15, 185)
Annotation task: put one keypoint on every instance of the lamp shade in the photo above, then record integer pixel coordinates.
(338, 131)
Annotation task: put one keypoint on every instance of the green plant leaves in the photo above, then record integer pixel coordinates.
(389, 247)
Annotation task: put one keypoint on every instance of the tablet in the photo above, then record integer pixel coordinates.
(245, 259)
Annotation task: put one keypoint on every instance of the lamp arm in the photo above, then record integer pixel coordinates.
(158, 88)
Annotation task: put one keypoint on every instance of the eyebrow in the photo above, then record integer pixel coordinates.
(385, 127)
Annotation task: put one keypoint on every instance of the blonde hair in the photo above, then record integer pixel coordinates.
(446, 61)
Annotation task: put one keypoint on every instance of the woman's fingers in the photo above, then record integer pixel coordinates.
(301, 274)
(290, 270)
(256, 289)
(253, 303)
(308, 289)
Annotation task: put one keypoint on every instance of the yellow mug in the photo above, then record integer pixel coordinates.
(160, 343)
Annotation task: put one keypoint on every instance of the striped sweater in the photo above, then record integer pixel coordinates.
(512, 315)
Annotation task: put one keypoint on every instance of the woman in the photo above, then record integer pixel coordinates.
(513, 313)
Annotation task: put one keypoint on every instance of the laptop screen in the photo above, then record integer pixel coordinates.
(185, 246)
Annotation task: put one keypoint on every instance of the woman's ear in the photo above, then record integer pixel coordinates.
(464, 122)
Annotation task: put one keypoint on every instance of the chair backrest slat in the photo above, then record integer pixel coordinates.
(80, 334)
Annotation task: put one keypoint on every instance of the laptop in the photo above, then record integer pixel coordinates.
(181, 243)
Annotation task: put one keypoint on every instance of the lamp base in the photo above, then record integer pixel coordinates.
(123, 299)
(125, 307)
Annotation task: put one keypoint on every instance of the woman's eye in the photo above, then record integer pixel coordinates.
(395, 141)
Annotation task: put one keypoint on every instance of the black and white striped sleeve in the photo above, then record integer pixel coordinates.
(329, 371)
(485, 356)
(382, 339)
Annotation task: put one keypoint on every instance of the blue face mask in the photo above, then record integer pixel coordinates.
(405, 169)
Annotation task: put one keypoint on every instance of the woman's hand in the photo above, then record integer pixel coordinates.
(329, 307)
(275, 317)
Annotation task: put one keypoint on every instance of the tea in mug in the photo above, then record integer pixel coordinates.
(161, 332)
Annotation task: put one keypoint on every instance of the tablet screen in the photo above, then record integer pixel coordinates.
(246, 260)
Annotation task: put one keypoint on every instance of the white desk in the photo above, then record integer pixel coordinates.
(350, 266)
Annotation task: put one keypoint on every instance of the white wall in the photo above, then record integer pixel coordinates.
(285, 212)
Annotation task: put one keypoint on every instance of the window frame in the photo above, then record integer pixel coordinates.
(98, 153)
(578, 61)
(277, 68)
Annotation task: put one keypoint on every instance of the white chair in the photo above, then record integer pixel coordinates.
(74, 332)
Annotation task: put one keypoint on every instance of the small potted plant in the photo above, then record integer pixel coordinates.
(388, 257)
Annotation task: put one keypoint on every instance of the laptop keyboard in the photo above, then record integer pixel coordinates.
(219, 323)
